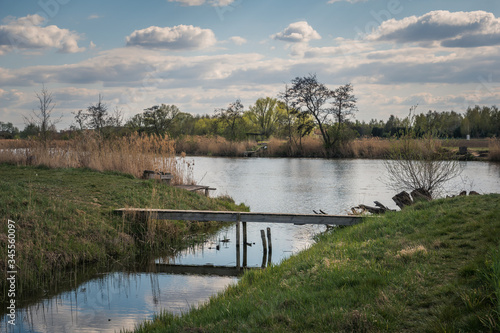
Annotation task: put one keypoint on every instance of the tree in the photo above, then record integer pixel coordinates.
(97, 117)
(158, 119)
(266, 115)
(183, 124)
(344, 103)
(481, 121)
(80, 119)
(136, 123)
(309, 96)
(230, 117)
(30, 130)
(8, 130)
(417, 164)
(42, 116)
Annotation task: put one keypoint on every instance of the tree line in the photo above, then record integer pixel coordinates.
(304, 107)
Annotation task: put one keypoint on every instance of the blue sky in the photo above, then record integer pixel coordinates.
(204, 54)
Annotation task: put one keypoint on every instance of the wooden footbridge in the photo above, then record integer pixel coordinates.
(243, 218)
(232, 216)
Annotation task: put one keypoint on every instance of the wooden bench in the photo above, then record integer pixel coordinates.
(165, 177)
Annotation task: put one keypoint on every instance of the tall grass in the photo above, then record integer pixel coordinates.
(130, 154)
(212, 146)
(367, 148)
(306, 147)
(494, 150)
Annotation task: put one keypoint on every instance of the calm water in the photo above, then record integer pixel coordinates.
(115, 300)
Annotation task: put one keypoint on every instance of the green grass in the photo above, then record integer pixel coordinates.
(64, 218)
(434, 267)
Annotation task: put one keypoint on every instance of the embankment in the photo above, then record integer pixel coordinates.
(432, 267)
(64, 218)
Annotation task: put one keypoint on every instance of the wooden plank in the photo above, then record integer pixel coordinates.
(231, 216)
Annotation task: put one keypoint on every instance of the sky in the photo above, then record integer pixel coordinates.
(201, 55)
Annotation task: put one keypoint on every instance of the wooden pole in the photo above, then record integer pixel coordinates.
(238, 257)
(245, 252)
(264, 248)
(269, 244)
(264, 243)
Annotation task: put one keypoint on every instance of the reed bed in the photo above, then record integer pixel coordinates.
(212, 146)
(494, 150)
(130, 154)
(367, 148)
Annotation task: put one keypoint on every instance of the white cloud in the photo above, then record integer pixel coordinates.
(444, 28)
(238, 40)
(298, 32)
(180, 37)
(214, 3)
(93, 17)
(27, 33)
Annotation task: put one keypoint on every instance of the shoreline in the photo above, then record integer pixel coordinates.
(64, 220)
(364, 148)
(432, 266)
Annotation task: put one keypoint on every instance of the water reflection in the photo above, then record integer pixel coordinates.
(117, 300)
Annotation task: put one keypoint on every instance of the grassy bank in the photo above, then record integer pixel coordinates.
(64, 218)
(434, 267)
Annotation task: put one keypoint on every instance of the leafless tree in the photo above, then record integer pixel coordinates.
(42, 116)
(97, 117)
(344, 103)
(418, 163)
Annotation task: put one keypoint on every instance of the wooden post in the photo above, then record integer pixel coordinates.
(245, 244)
(264, 248)
(270, 245)
(238, 257)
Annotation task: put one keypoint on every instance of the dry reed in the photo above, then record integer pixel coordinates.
(494, 150)
(128, 154)
(212, 146)
(367, 148)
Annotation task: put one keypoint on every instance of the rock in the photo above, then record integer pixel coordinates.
(463, 193)
(473, 193)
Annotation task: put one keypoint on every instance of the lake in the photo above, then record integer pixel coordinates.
(117, 299)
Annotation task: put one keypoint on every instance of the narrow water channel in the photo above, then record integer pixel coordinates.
(121, 299)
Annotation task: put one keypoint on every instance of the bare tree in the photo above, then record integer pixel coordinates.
(98, 118)
(344, 103)
(418, 164)
(42, 116)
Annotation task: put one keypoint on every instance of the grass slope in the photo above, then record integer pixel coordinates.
(434, 267)
(64, 218)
